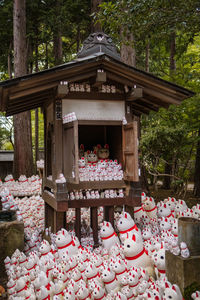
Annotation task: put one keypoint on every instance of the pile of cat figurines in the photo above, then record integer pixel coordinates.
(129, 263)
(23, 186)
(96, 166)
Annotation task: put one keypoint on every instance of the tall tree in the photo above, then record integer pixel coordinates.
(23, 157)
(127, 50)
(95, 26)
(197, 169)
(57, 35)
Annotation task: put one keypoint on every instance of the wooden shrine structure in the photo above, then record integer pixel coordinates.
(102, 91)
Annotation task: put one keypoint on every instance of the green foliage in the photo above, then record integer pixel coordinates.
(189, 290)
(5, 35)
(44, 18)
(6, 133)
(40, 130)
(168, 137)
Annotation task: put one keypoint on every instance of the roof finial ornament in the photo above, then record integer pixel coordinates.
(98, 42)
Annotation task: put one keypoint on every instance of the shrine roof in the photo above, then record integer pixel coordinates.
(33, 90)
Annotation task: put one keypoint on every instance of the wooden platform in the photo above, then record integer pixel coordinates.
(55, 211)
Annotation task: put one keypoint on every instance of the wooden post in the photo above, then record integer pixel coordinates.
(109, 214)
(57, 166)
(49, 217)
(59, 220)
(78, 223)
(94, 217)
(45, 144)
(36, 136)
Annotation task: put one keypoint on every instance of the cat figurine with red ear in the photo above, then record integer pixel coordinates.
(103, 153)
(126, 225)
(64, 242)
(172, 292)
(136, 255)
(108, 235)
(81, 151)
(92, 157)
(196, 295)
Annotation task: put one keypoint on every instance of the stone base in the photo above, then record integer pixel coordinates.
(11, 238)
(182, 271)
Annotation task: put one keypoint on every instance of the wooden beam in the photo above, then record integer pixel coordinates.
(4, 98)
(25, 101)
(156, 101)
(96, 185)
(96, 202)
(62, 91)
(136, 93)
(46, 86)
(61, 206)
(148, 91)
(10, 111)
(160, 95)
(49, 199)
(100, 78)
(95, 96)
(21, 106)
(144, 79)
(141, 108)
(118, 78)
(100, 122)
(143, 103)
(31, 91)
(151, 102)
(70, 75)
(136, 112)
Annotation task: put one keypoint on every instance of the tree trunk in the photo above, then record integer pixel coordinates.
(46, 56)
(147, 57)
(172, 61)
(57, 47)
(23, 158)
(10, 61)
(36, 56)
(144, 180)
(78, 39)
(155, 177)
(57, 36)
(167, 179)
(95, 27)
(127, 50)
(197, 170)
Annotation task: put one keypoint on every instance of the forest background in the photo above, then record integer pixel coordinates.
(158, 36)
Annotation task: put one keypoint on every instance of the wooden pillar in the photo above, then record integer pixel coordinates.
(49, 217)
(109, 214)
(78, 223)
(94, 218)
(36, 136)
(59, 220)
(57, 166)
(45, 144)
(105, 213)
(54, 219)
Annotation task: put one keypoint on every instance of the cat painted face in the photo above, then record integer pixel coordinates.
(103, 153)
